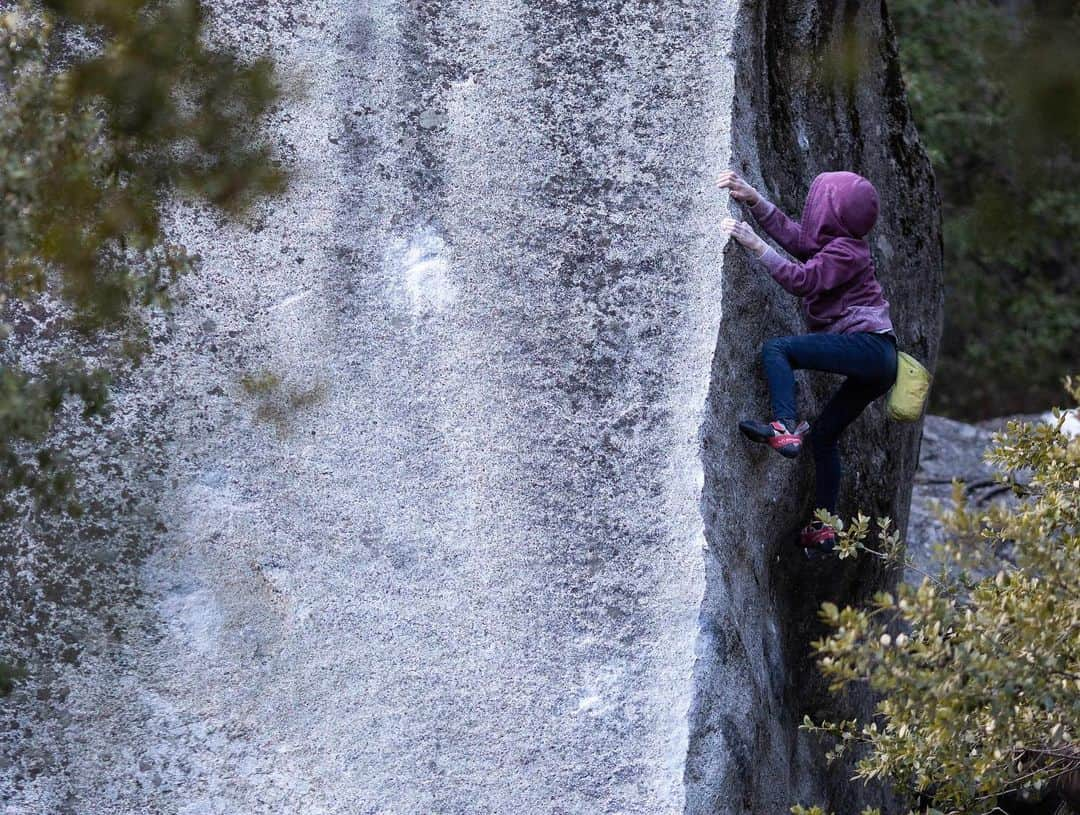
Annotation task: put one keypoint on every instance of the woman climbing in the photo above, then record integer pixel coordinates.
(844, 309)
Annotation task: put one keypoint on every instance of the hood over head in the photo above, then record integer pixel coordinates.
(839, 205)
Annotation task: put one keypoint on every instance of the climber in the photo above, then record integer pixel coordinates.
(846, 314)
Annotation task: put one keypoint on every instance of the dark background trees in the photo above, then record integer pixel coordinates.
(995, 90)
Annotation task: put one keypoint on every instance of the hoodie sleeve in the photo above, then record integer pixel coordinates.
(833, 265)
(779, 226)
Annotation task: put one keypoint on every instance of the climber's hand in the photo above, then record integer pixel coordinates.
(740, 190)
(744, 234)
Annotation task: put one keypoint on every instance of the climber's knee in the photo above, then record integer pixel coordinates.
(773, 348)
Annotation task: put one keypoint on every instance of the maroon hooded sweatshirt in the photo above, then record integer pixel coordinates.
(833, 273)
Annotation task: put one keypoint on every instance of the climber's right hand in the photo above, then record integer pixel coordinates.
(740, 190)
(744, 234)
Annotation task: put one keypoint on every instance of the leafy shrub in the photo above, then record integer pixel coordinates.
(977, 667)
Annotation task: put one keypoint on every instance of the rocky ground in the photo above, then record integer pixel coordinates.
(954, 450)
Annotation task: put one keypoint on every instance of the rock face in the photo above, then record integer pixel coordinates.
(956, 450)
(950, 450)
(817, 88)
(430, 499)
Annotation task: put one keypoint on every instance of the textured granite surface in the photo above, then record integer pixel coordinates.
(430, 499)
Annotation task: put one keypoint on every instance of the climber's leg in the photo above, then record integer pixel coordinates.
(850, 354)
(844, 407)
(847, 403)
(868, 356)
(779, 371)
(784, 434)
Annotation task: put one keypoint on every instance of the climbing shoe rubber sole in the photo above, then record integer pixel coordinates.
(776, 435)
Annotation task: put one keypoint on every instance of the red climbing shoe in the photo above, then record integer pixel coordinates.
(817, 539)
(776, 434)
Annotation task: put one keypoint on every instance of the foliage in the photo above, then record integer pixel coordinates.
(106, 108)
(977, 668)
(995, 91)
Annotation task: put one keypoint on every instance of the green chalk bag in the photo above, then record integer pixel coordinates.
(907, 397)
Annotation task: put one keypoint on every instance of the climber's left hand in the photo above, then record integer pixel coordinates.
(744, 234)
